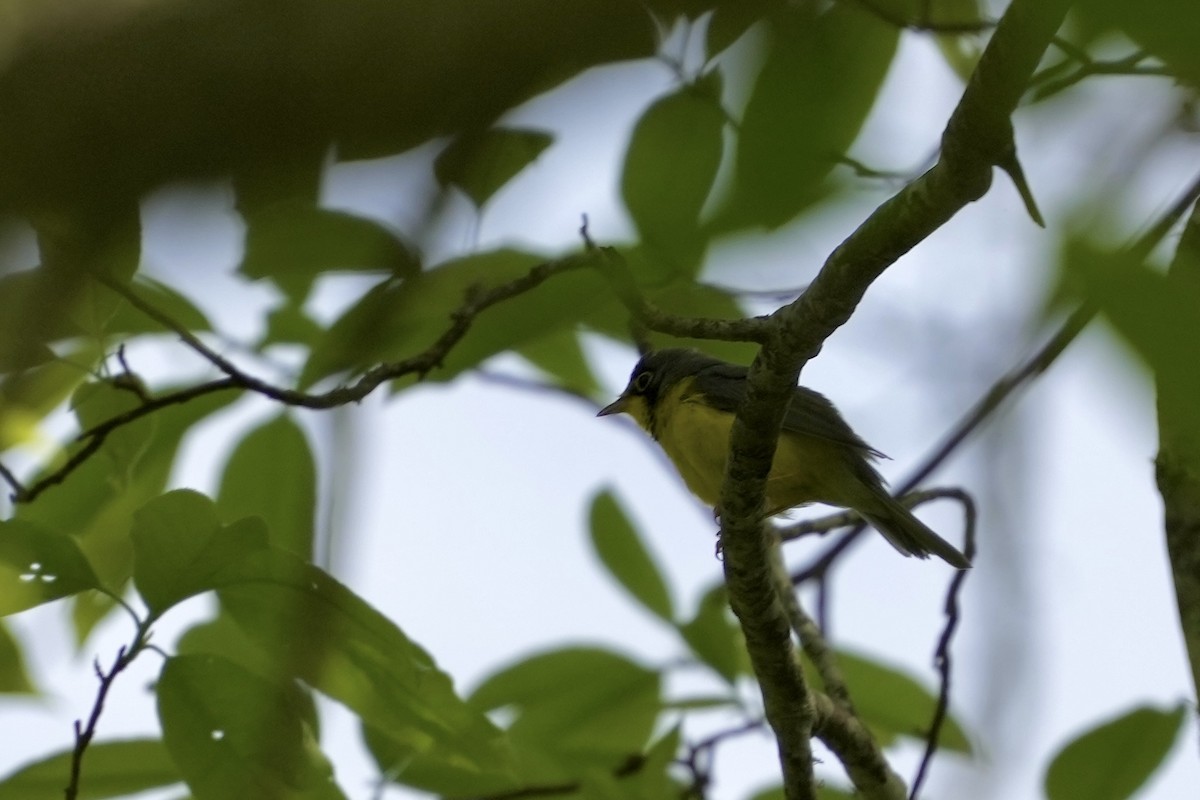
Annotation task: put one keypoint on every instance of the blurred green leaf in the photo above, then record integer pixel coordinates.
(893, 704)
(715, 638)
(111, 769)
(1163, 28)
(819, 82)
(14, 678)
(127, 320)
(234, 734)
(29, 395)
(731, 19)
(271, 473)
(37, 566)
(293, 241)
(481, 163)
(358, 657)
(179, 92)
(179, 545)
(1156, 314)
(288, 324)
(400, 319)
(684, 298)
(584, 705)
(670, 165)
(824, 792)
(99, 514)
(560, 356)
(96, 402)
(1113, 760)
(623, 553)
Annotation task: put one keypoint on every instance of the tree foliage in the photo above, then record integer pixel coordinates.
(106, 102)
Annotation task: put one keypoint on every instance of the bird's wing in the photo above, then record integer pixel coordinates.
(809, 413)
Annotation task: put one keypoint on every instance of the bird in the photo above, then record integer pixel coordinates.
(686, 400)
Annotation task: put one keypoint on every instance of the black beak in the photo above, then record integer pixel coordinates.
(615, 407)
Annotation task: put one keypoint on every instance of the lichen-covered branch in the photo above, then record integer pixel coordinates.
(977, 138)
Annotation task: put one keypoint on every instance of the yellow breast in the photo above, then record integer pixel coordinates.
(695, 436)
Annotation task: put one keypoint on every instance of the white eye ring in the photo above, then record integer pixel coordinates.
(642, 382)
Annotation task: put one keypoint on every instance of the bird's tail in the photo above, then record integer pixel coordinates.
(909, 535)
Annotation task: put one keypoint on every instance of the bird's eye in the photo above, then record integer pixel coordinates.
(642, 382)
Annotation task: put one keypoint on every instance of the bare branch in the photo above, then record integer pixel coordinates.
(942, 658)
(978, 136)
(620, 278)
(995, 396)
(85, 733)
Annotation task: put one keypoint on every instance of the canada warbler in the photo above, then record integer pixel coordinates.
(686, 401)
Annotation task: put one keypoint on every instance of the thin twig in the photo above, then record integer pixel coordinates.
(941, 658)
(1008, 384)
(85, 733)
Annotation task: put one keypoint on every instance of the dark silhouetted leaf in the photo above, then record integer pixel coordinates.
(1115, 759)
(111, 769)
(625, 556)
(292, 242)
(733, 18)
(480, 164)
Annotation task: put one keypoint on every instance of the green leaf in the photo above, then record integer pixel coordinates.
(271, 474)
(560, 355)
(481, 163)
(652, 780)
(28, 396)
(14, 678)
(684, 298)
(179, 545)
(818, 84)
(400, 319)
(1163, 28)
(669, 170)
(1156, 315)
(1113, 760)
(732, 19)
(585, 706)
(96, 402)
(824, 792)
(292, 242)
(715, 638)
(288, 324)
(892, 703)
(622, 551)
(127, 320)
(37, 566)
(234, 734)
(110, 769)
(99, 513)
(358, 657)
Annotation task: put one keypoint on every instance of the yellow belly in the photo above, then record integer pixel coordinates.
(696, 439)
